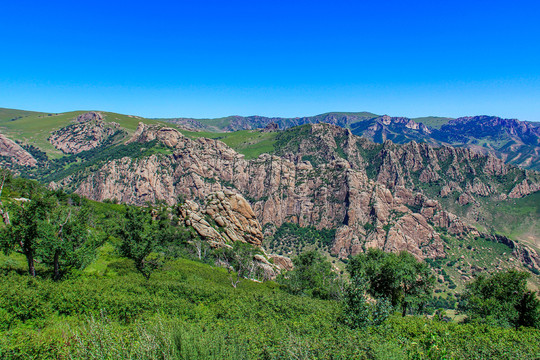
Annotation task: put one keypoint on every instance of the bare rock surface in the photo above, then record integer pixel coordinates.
(15, 152)
(321, 180)
(88, 132)
(230, 213)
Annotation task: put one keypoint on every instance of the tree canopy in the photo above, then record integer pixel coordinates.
(399, 278)
(501, 299)
(313, 275)
(50, 229)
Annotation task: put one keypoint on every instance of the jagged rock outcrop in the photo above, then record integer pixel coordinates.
(15, 153)
(333, 194)
(479, 188)
(271, 127)
(524, 188)
(449, 169)
(88, 132)
(230, 213)
(510, 140)
(465, 199)
(166, 135)
(226, 217)
(320, 179)
(449, 188)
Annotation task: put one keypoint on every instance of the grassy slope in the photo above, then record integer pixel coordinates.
(433, 121)
(12, 114)
(35, 128)
(189, 310)
(251, 143)
(518, 219)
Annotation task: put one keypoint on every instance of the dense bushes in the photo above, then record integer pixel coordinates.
(291, 237)
(189, 310)
(501, 299)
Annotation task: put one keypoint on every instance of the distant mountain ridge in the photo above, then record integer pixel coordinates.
(236, 122)
(516, 142)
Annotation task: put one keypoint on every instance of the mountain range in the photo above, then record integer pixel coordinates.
(516, 142)
(359, 179)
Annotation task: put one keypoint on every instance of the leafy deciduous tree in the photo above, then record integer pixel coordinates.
(240, 259)
(139, 235)
(69, 242)
(28, 226)
(312, 275)
(502, 299)
(400, 278)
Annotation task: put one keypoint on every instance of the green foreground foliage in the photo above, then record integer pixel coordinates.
(188, 310)
(502, 299)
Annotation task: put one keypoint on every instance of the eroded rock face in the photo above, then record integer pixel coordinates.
(88, 132)
(226, 217)
(524, 188)
(325, 189)
(331, 195)
(168, 136)
(465, 199)
(230, 213)
(17, 154)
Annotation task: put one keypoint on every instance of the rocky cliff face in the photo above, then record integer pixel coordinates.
(88, 132)
(324, 177)
(15, 154)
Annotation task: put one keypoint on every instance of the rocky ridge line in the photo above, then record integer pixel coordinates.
(15, 153)
(335, 194)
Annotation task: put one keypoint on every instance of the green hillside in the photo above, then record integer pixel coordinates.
(433, 121)
(14, 114)
(35, 128)
(251, 143)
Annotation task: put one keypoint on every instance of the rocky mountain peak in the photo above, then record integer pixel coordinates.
(90, 116)
(166, 135)
(88, 132)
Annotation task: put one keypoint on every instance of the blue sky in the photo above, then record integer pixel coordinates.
(275, 58)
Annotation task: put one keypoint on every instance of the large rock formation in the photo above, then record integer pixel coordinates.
(321, 178)
(15, 154)
(230, 213)
(516, 142)
(226, 217)
(88, 132)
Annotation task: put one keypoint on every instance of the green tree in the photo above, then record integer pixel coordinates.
(140, 236)
(406, 282)
(42, 228)
(359, 311)
(313, 276)
(240, 259)
(501, 299)
(69, 242)
(28, 226)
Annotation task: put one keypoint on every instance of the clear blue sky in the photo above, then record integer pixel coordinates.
(276, 58)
